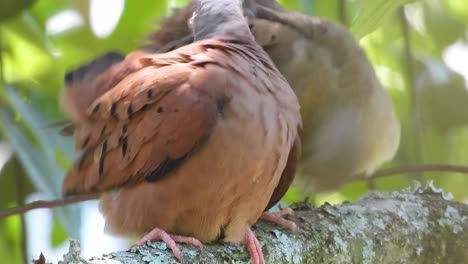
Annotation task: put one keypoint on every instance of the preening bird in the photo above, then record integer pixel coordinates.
(350, 127)
(188, 145)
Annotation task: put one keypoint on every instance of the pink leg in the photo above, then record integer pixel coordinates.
(254, 248)
(170, 240)
(276, 218)
(283, 212)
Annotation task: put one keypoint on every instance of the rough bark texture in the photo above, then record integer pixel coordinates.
(420, 226)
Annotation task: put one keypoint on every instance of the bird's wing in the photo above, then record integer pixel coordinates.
(288, 175)
(148, 124)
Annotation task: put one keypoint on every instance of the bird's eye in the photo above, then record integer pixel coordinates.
(68, 78)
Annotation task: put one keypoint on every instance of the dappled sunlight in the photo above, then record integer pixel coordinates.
(456, 57)
(63, 21)
(105, 15)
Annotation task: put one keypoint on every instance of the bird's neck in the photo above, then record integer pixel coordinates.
(219, 17)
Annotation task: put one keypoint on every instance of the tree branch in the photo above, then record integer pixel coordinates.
(405, 227)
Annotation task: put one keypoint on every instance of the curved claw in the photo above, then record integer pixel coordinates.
(170, 240)
(276, 218)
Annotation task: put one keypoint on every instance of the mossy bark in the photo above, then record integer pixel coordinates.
(399, 227)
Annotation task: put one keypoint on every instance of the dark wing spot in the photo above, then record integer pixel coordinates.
(130, 110)
(124, 129)
(167, 166)
(104, 148)
(160, 109)
(124, 146)
(101, 166)
(81, 160)
(103, 131)
(96, 108)
(85, 143)
(170, 165)
(101, 159)
(67, 130)
(150, 93)
(113, 108)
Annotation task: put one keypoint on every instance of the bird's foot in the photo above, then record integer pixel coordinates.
(276, 218)
(254, 248)
(170, 240)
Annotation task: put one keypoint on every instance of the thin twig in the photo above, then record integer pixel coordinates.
(49, 204)
(342, 12)
(417, 169)
(409, 62)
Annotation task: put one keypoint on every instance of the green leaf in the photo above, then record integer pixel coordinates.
(372, 13)
(39, 161)
(11, 8)
(29, 29)
(50, 142)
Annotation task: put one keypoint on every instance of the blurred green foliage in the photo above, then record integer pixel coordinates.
(433, 110)
(11, 8)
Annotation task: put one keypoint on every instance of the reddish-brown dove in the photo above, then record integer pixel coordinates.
(187, 145)
(350, 127)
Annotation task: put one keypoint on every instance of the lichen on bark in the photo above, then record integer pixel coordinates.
(400, 227)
